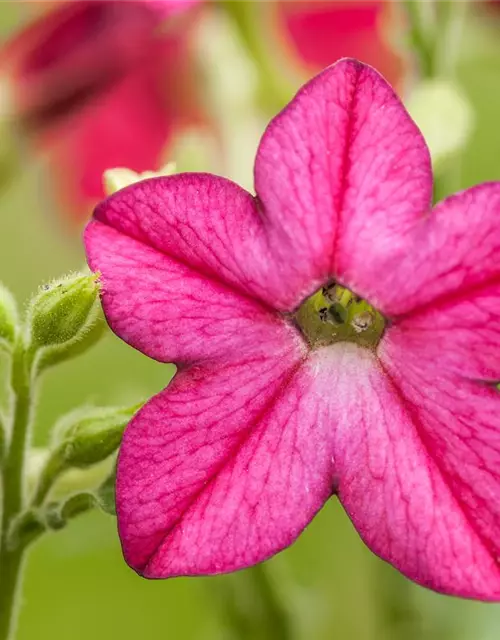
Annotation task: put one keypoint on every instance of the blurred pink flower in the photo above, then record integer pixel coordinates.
(317, 33)
(261, 425)
(102, 83)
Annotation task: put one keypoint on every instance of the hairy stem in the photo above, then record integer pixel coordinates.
(13, 489)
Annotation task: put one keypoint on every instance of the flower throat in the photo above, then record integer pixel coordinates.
(334, 314)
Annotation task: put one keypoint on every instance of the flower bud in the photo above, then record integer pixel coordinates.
(65, 317)
(57, 514)
(8, 319)
(105, 494)
(92, 436)
(83, 438)
(119, 178)
(24, 529)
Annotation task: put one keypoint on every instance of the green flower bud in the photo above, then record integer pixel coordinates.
(105, 494)
(57, 514)
(82, 439)
(25, 528)
(65, 318)
(8, 319)
(93, 436)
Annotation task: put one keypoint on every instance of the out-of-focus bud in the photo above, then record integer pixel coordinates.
(8, 319)
(65, 318)
(105, 494)
(119, 178)
(82, 439)
(57, 514)
(87, 437)
(25, 528)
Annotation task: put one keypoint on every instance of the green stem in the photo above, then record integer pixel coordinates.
(453, 14)
(276, 619)
(398, 616)
(274, 91)
(422, 30)
(436, 29)
(250, 606)
(48, 476)
(13, 489)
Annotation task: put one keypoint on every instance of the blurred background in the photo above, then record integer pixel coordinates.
(89, 85)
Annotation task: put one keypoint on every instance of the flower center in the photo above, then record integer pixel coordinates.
(335, 314)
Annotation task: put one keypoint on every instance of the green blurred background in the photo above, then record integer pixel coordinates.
(328, 584)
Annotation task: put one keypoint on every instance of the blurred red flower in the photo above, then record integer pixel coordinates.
(319, 32)
(101, 83)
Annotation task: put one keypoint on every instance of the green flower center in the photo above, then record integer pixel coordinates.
(335, 314)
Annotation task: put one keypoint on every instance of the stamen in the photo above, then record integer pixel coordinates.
(362, 321)
(336, 314)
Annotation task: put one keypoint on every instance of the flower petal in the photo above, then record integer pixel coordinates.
(225, 467)
(174, 313)
(228, 465)
(341, 168)
(450, 255)
(461, 335)
(206, 222)
(445, 293)
(395, 487)
(440, 504)
(342, 164)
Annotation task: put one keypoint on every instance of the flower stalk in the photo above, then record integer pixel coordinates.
(62, 320)
(13, 484)
(250, 607)
(435, 34)
(274, 90)
(422, 35)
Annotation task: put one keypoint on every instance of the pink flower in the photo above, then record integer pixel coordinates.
(318, 33)
(98, 84)
(282, 399)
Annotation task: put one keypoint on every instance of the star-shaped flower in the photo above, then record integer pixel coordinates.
(333, 336)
